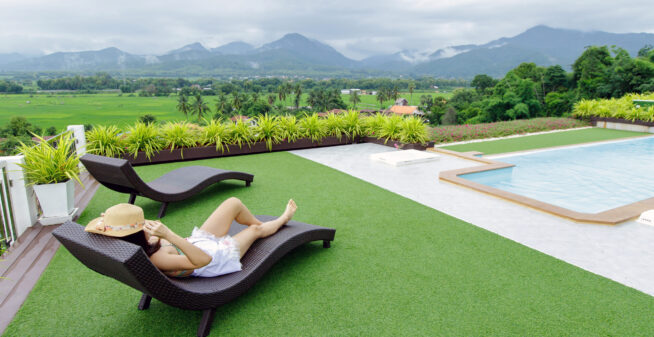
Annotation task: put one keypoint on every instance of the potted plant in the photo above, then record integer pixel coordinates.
(52, 170)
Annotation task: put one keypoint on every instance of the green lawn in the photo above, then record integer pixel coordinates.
(544, 140)
(396, 267)
(63, 110)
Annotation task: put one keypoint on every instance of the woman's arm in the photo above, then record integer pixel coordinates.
(193, 258)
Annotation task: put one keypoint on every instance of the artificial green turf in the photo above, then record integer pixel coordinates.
(544, 140)
(396, 267)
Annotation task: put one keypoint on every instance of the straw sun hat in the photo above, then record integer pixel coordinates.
(118, 221)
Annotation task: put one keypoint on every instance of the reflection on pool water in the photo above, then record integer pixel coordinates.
(588, 179)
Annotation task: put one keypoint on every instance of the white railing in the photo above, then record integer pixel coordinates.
(22, 200)
(7, 231)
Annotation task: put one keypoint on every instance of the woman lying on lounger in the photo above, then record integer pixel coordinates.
(208, 252)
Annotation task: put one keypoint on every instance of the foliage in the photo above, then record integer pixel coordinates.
(179, 135)
(413, 130)
(10, 146)
(374, 124)
(335, 126)
(199, 107)
(148, 119)
(46, 163)
(216, 132)
(183, 105)
(289, 128)
(105, 141)
(241, 133)
(623, 108)
(391, 128)
(312, 127)
(457, 133)
(268, 130)
(143, 137)
(353, 124)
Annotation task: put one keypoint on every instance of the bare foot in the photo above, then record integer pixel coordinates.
(291, 207)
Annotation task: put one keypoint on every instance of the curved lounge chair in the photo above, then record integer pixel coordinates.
(129, 264)
(182, 183)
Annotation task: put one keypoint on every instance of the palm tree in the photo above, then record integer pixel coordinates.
(255, 97)
(281, 92)
(411, 87)
(394, 93)
(221, 103)
(237, 101)
(298, 95)
(354, 98)
(381, 97)
(200, 107)
(271, 99)
(183, 106)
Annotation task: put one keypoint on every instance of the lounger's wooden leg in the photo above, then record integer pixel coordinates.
(247, 183)
(132, 198)
(162, 210)
(205, 324)
(326, 243)
(145, 302)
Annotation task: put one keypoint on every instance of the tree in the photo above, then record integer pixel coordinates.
(271, 99)
(426, 101)
(381, 97)
(354, 98)
(237, 101)
(412, 86)
(483, 82)
(200, 107)
(555, 79)
(148, 119)
(643, 52)
(298, 96)
(183, 105)
(589, 71)
(449, 118)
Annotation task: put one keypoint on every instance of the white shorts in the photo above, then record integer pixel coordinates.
(224, 252)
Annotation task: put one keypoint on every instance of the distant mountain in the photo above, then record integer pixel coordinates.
(98, 60)
(542, 45)
(190, 52)
(304, 49)
(234, 48)
(11, 57)
(295, 54)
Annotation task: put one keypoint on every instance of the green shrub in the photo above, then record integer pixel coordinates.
(148, 119)
(143, 137)
(335, 125)
(47, 164)
(391, 128)
(105, 141)
(290, 130)
(218, 133)
(10, 146)
(413, 130)
(623, 108)
(374, 124)
(241, 133)
(353, 124)
(178, 135)
(268, 130)
(312, 127)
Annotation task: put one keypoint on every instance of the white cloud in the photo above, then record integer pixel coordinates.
(355, 28)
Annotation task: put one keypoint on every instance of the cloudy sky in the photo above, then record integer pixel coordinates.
(355, 28)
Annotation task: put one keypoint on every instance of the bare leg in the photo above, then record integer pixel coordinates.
(246, 237)
(220, 220)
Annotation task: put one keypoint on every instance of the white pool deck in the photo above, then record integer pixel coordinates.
(623, 253)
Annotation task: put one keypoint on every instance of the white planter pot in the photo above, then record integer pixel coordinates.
(56, 200)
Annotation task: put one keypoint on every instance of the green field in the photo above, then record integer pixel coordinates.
(63, 110)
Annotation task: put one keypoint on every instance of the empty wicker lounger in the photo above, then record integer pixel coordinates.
(129, 264)
(182, 183)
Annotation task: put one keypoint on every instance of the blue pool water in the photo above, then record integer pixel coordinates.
(588, 179)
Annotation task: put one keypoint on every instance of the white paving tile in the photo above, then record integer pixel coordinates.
(623, 253)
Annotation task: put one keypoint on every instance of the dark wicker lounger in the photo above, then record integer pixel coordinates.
(129, 264)
(182, 183)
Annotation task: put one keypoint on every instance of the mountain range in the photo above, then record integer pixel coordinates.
(297, 55)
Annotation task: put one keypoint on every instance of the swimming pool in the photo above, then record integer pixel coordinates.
(586, 179)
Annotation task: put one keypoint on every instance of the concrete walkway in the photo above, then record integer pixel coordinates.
(623, 253)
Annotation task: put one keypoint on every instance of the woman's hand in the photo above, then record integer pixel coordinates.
(156, 228)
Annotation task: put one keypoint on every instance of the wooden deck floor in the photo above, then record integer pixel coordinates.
(28, 257)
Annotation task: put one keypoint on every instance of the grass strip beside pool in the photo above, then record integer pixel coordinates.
(544, 140)
(396, 267)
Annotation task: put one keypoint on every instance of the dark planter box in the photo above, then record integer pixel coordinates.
(398, 144)
(203, 152)
(594, 121)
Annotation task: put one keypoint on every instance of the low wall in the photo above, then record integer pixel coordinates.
(623, 124)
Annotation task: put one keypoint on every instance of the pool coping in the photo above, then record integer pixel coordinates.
(609, 217)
